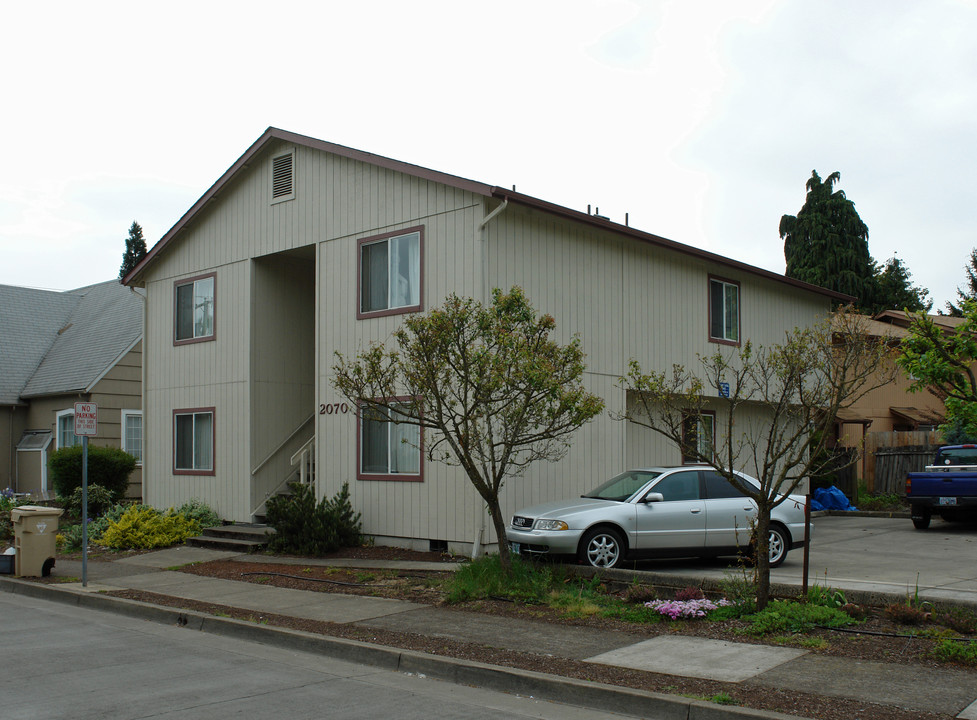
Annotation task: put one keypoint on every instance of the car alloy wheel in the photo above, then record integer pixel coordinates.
(602, 548)
(778, 546)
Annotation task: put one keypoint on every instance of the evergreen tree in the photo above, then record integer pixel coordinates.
(135, 249)
(971, 291)
(894, 290)
(826, 243)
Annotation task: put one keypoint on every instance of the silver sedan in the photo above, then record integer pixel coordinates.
(656, 512)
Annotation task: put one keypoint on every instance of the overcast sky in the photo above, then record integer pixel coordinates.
(702, 120)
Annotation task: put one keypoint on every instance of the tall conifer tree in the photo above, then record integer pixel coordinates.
(135, 249)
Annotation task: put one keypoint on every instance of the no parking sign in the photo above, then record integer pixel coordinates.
(86, 419)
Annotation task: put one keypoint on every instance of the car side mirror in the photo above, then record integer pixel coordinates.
(653, 497)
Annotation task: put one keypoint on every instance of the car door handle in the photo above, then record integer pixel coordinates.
(695, 510)
(749, 508)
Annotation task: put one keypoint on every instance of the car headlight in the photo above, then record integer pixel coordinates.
(550, 525)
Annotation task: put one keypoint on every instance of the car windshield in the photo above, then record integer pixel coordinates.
(623, 486)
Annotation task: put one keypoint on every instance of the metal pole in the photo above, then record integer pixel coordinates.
(84, 511)
(807, 544)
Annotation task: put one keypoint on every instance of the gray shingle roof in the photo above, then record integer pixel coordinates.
(52, 342)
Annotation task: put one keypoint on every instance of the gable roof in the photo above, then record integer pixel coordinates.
(274, 134)
(62, 342)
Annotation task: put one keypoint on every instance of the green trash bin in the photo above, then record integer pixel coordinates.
(35, 539)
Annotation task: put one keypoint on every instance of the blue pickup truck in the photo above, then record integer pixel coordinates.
(947, 488)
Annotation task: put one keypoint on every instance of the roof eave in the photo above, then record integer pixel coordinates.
(600, 222)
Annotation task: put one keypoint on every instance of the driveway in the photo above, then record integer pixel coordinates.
(886, 555)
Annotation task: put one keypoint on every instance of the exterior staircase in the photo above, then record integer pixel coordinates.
(237, 537)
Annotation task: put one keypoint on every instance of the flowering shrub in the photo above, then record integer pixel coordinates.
(686, 608)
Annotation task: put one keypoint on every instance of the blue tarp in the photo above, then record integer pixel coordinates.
(830, 498)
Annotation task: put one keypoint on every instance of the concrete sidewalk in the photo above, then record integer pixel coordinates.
(947, 691)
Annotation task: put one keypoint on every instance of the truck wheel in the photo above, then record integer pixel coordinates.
(602, 548)
(921, 520)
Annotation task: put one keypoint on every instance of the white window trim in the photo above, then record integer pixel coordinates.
(57, 427)
(724, 338)
(142, 441)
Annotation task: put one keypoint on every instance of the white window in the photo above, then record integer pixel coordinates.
(388, 448)
(195, 309)
(66, 429)
(700, 435)
(193, 441)
(390, 273)
(724, 311)
(132, 433)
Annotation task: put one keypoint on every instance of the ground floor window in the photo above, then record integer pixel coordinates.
(66, 429)
(193, 441)
(388, 449)
(132, 433)
(698, 433)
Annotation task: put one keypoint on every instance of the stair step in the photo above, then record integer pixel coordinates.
(237, 537)
(240, 531)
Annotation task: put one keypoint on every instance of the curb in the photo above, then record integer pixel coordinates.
(581, 693)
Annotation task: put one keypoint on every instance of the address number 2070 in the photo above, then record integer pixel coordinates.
(333, 408)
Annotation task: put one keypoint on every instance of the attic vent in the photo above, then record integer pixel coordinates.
(282, 187)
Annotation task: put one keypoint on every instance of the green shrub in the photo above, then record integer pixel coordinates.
(71, 533)
(878, 501)
(484, 578)
(781, 616)
(949, 650)
(200, 511)
(143, 528)
(304, 527)
(108, 467)
(8, 501)
(100, 499)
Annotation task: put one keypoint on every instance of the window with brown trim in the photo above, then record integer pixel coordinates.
(724, 311)
(699, 434)
(387, 449)
(193, 441)
(195, 309)
(390, 273)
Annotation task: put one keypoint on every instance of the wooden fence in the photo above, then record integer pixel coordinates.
(892, 464)
(888, 445)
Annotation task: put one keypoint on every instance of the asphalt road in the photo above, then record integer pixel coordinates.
(60, 661)
(870, 554)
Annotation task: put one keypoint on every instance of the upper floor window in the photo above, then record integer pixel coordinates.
(388, 450)
(724, 311)
(390, 273)
(195, 309)
(193, 441)
(66, 429)
(699, 434)
(132, 433)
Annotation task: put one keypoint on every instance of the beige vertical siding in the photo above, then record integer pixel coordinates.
(624, 298)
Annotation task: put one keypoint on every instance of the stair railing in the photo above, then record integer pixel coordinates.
(304, 457)
(306, 472)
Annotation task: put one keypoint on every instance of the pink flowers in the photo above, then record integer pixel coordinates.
(676, 609)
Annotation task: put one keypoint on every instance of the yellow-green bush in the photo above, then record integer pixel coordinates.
(142, 527)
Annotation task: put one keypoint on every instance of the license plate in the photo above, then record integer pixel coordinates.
(948, 501)
(515, 548)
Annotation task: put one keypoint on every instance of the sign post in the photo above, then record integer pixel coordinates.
(86, 424)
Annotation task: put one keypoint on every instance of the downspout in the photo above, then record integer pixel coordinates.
(142, 389)
(480, 519)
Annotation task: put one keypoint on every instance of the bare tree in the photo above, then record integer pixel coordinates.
(776, 409)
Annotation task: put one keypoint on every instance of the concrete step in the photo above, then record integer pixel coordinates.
(244, 538)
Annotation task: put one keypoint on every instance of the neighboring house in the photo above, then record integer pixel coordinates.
(303, 249)
(59, 348)
(891, 415)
